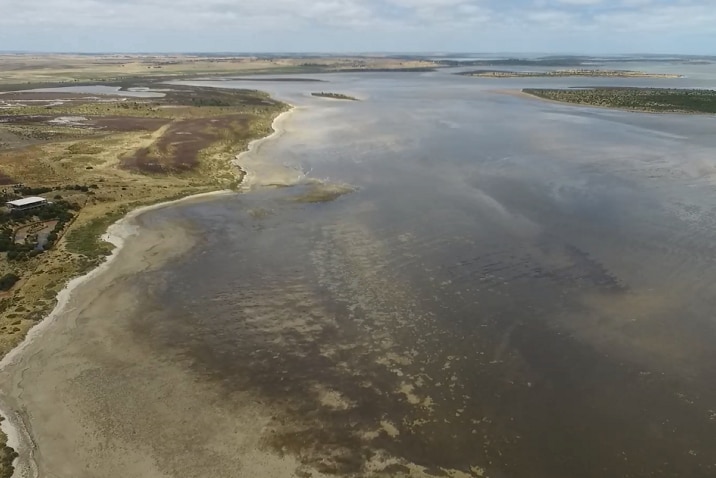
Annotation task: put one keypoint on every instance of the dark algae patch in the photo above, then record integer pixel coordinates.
(661, 100)
(322, 193)
(335, 96)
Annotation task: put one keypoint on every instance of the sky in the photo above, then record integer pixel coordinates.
(539, 26)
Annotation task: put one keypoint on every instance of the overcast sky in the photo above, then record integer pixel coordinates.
(559, 26)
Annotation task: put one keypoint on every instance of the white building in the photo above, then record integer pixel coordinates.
(26, 203)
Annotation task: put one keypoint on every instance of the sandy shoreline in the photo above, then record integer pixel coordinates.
(117, 234)
(269, 176)
(14, 427)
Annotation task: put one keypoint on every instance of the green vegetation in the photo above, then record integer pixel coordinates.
(30, 191)
(8, 281)
(204, 102)
(61, 211)
(87, 239)
(7, 456)
(661, 100)
(566, 61)
(84, 148)
(565, 73)
(335, 96)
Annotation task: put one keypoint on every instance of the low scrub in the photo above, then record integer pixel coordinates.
(8, 281)
(87, 238)
(84, 148)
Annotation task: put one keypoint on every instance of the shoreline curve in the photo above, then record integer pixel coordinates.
(15, 427)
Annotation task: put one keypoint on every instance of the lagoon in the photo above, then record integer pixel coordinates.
(505, 287)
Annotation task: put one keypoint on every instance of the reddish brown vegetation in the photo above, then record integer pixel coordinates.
(128, 123)
(178, 148)
(6, 180)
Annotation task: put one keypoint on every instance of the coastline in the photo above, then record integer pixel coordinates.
(251, 177)
(13, 425)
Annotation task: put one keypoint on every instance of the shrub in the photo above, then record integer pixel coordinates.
(30, 191)
(84, 148)
(8, 281)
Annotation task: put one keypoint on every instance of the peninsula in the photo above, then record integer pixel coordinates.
(566, 73)
(654, 100)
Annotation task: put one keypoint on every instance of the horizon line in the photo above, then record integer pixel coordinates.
(445, 53)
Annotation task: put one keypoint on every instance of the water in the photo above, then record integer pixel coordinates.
(516, 287)
(100, 90)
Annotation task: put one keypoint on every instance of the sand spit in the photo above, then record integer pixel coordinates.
(526, 96)
(259, 173)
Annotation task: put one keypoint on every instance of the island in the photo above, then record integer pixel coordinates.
(335, 96)
(566, 73)
(655, 100)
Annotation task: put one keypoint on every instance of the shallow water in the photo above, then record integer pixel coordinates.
(515, 288)
(100, 90)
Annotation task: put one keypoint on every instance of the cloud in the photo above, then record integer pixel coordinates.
(470, 24)
(580, 2)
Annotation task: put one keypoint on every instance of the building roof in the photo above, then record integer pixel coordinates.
(26, 201)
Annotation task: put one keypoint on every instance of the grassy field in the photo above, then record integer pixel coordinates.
(565, 73)
(658, 100)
